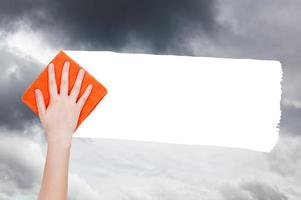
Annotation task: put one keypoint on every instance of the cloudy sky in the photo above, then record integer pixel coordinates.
(31, 33)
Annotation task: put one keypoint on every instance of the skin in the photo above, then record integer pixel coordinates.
(59, 120)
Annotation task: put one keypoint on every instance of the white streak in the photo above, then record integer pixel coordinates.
(184, 100)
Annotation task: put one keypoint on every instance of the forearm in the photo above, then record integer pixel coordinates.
(55, 177)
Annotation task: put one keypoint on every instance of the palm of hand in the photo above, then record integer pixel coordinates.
(61, 116)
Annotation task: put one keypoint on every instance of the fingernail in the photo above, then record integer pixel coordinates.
(36, 91)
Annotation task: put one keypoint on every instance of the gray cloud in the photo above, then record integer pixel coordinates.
(285, 159)
(16, 73)
(291, 118)
(263, 191)
(162, 171)
(20, 164)
(108, 25)
(80, 189)
(136, 170)
(252, 190)
(116, 170)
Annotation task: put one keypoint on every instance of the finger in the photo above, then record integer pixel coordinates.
(64, 79)
(40, 102)
(77, 84)
(51, 80)
(81, 102)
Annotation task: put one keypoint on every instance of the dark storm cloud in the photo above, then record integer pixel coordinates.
(107, 25)
(16, 74)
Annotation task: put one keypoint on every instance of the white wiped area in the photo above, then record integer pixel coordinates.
(184, 100)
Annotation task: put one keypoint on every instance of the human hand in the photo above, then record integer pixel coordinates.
(61, 116)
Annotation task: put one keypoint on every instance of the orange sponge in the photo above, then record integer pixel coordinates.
(41, 82)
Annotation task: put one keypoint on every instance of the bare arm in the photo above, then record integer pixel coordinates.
(59, 121)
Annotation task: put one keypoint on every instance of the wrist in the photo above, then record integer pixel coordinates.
(59, 145)
(59, 140)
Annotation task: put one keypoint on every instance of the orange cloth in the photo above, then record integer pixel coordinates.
(41, 82)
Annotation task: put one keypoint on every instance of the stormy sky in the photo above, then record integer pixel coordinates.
(31, 33)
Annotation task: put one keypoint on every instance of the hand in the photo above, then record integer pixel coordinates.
(61, 116)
